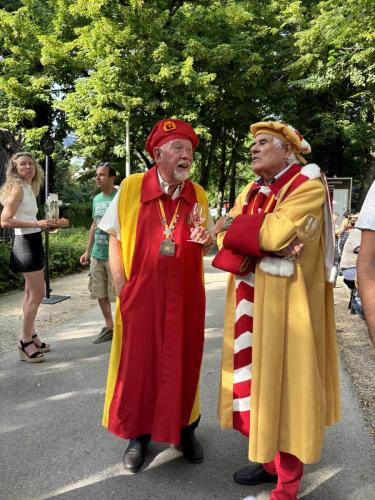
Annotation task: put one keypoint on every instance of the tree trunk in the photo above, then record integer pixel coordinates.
(222, 175)
(203, 160)
(206, 168)
(233, 170)
(9, 144)
(148, 164)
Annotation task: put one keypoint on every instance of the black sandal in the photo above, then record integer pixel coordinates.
(35, 357)
(43, 346)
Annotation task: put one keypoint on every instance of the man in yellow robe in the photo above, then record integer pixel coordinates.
(279, 383)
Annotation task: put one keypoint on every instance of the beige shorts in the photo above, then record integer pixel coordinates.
(100, 282)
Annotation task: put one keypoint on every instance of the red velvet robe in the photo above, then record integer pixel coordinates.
(162, 310)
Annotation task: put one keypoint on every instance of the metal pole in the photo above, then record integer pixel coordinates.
(46, 235)
(127, 150)
(47, 146)
(46, 179)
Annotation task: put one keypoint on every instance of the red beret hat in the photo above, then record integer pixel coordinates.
(168, 130)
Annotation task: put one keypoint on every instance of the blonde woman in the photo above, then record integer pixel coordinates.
(24, 179)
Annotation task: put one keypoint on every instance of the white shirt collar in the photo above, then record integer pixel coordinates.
(284, 170)
(260, 181)
(164, 186)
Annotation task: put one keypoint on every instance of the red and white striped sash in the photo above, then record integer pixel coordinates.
(260, 201)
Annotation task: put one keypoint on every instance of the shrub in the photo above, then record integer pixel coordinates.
(79, 214)
(65, 248)
(8, 280)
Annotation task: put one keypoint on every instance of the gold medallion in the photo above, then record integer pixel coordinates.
(167, 247)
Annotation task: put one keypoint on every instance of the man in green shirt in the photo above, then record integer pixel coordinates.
(101, 284)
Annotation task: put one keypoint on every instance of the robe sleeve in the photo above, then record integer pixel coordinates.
(260, 234)
(279, 228)
(234, 212)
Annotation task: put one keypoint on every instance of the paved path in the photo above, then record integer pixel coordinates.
(53, 446)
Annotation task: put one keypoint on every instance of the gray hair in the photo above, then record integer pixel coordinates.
(281, 144)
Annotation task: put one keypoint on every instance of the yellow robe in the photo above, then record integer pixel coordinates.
(295, 382)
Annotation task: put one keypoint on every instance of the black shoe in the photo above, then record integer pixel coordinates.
(191, 447)
(254, 474)
(134, 455)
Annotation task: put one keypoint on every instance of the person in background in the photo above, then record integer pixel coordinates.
(279, 383)
(100, 283)
(366, 261)
(337, 253)
(349, 256)
(156, 257)
(23, 181)
(346, 226)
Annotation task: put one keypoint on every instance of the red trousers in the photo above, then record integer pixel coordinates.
(289, 470)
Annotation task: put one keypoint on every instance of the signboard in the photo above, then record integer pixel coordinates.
(47, 144)
(340, 189)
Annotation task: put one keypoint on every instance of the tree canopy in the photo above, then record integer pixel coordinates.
(87, 66)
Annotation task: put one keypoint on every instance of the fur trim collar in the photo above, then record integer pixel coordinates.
(311, 170)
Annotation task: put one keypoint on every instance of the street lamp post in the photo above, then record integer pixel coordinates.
(47, 145)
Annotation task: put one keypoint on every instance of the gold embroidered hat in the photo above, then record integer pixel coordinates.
(286, 133)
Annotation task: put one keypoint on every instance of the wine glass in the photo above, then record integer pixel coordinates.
(308, 230)
(197, 216)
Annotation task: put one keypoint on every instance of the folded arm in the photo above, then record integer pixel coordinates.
(262, 234)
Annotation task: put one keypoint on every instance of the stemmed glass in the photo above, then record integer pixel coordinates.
(197, 216)
(307, 231)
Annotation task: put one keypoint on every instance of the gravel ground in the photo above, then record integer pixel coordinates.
(49, 315)
(357, 354)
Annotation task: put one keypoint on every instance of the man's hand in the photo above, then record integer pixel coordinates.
(85, 258)
(201, 235)
(293, 251)
(116, 264)
(119, 284)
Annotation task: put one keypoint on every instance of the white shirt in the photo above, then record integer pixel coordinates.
(366, 219)
(348, 257)
(26, 211)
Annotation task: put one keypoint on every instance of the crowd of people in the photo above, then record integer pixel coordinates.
(279, 383)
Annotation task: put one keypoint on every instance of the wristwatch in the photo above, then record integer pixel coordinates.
(228, 222)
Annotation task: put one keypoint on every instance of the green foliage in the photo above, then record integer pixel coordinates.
(8, 280)
(79, 214)
(90, 65)
(65, 248)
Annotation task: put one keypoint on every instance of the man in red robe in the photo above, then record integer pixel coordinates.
(156, 260)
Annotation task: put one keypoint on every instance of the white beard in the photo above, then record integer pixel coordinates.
(181, 176)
